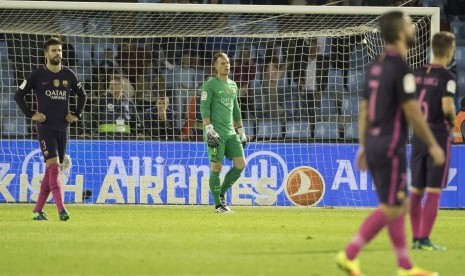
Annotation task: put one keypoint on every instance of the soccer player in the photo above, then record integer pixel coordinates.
(221, 116)
(435, 91)
(389, 100)
(51, 85)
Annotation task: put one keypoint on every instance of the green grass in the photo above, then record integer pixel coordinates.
(160, 240)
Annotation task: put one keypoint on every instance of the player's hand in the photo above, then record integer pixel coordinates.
(71, 118)
(39, 117)
(437, 154)
(361, 159)
(242, 136)
(213, 139)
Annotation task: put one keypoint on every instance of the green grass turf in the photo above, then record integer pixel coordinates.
(161, 240)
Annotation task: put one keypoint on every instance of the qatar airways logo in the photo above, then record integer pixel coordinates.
(57, 94)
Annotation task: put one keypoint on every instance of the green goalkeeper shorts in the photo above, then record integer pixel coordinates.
(230, 146)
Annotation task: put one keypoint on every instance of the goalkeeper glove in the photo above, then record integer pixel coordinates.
(213, 139)
(242, 136)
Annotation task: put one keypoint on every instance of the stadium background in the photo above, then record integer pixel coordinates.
(122, 176)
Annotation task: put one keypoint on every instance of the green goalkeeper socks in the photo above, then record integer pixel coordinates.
(215, 187)
(230, 178)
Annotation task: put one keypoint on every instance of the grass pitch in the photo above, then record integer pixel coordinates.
(192, 240)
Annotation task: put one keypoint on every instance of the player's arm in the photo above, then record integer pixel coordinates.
(421, 129)
(81, 98)
(448, 108)
(26, 89)
(362, 122)
(238, 121)
(362, 130)
(205, 104)
(448, 105)
(361, 161)
(406, 90)
(213, 139)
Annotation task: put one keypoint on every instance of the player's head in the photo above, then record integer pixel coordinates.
(396, 27)
(53, 51)
(221, 63)
(162, 102)
(115, 87)
(444, 46)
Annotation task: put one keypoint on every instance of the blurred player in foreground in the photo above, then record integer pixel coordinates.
(435, 91)
(221, 116)
(389, 99)
(51, 85)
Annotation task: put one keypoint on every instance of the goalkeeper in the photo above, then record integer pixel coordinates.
(221, 116)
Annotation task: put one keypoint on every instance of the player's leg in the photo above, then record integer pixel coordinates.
(395, 208)
(46, 146)
(396, 231)
(53, 165)
(415, 210)
(419, 171)
(38, 213)
(235, 152)
(436, 180)
(216, 156)
(375, 222)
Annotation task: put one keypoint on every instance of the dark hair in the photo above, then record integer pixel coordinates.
(390, 25)
(462, 104)
(442, 43)
(218, 55)
(52, 41)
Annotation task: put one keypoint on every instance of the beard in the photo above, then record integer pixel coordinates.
(55, 61)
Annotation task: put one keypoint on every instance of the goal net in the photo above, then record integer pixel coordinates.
(300, 75)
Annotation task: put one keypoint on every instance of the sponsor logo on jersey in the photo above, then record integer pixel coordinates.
(56, 83)
(57, 94)
(204, 96)
(305, 186)
(110, 107)
(65, 83)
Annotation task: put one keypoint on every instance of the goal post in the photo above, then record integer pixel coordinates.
(300, 74)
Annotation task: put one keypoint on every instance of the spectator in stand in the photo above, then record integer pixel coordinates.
(271, 96)
(193, 125)
(244, 71)
(186, 82)
(134, 59)
(115, 116)
(159, 120)
(106, 68)
(309, 86)
(459, 133)
(149, 87)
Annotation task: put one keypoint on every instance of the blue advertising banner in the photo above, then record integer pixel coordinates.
(153, 172)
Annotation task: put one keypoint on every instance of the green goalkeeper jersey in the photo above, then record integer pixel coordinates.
(219, 103)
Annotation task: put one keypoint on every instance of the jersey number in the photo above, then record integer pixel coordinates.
(423, 103)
